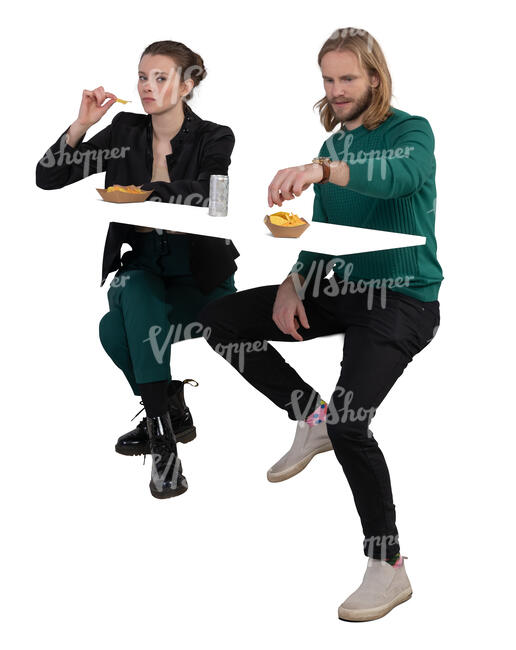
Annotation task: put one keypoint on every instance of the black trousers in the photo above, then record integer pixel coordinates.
(383, 329)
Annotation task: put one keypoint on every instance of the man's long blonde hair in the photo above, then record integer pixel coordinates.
(372, 60)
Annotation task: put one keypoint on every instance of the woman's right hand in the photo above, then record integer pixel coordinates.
(91, 109)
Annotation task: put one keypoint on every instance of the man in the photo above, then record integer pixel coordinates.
(377, 171)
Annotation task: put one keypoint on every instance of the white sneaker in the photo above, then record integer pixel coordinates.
(383, 587)
(308, 441)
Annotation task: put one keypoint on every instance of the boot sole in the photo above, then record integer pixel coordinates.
(167, 495)
(185, 436)
(374, 612)
(277, 477)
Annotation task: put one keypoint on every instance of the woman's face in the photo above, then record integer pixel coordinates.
(159, 83)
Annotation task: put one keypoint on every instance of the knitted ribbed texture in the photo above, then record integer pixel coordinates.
(389, 190)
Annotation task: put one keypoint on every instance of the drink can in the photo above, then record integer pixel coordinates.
(219, 190)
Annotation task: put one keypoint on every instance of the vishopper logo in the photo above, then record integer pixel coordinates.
(345, 413)
(173, 81)
(361, 157)
(195, 198)
(240, 348)
(174, 334)
(318, 271)
(84, 158)
(381, 543)
(172, 462)
(119, 281)
(353, 31)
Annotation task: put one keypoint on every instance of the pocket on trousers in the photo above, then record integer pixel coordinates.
(418, 324)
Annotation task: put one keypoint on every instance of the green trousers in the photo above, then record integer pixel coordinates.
(153, 303)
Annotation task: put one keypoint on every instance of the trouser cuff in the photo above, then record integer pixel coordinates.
(381, 547)
(303, 403)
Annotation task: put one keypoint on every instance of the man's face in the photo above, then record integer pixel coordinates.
(347, 86)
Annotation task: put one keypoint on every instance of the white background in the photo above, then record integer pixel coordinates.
(90, 559)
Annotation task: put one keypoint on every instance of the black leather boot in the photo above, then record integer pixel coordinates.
(180, 415)
(136, 442)
(167, 478)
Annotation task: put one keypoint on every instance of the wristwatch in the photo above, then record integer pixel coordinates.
(325, 164)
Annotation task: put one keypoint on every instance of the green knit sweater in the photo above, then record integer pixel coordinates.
(391, 187)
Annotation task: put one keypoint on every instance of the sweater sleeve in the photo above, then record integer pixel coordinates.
(308, 259)
(215, 159)
(63, 165)
(403, 168)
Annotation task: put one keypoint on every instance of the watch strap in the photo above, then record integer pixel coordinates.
(325, 164)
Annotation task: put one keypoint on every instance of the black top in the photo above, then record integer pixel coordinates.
(124, 151)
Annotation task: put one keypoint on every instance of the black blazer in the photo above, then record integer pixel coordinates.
(124, 151)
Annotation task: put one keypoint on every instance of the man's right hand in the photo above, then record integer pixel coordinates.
(288, 310)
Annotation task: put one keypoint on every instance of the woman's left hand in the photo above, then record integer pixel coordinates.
(291, 182)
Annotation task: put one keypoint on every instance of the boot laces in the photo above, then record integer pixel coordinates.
(162, 446)
(162, 442)
(141, 424)
(164, 457)
(142, 409)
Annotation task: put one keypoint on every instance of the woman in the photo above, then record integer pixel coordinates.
(163, 282)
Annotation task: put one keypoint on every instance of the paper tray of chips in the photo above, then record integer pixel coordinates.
(286, 231)
(132, 194)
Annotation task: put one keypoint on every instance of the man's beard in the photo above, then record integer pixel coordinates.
(361, 104)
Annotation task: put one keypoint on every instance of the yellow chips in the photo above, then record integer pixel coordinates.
(124, 101)
(285, 219)
(132, 189)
